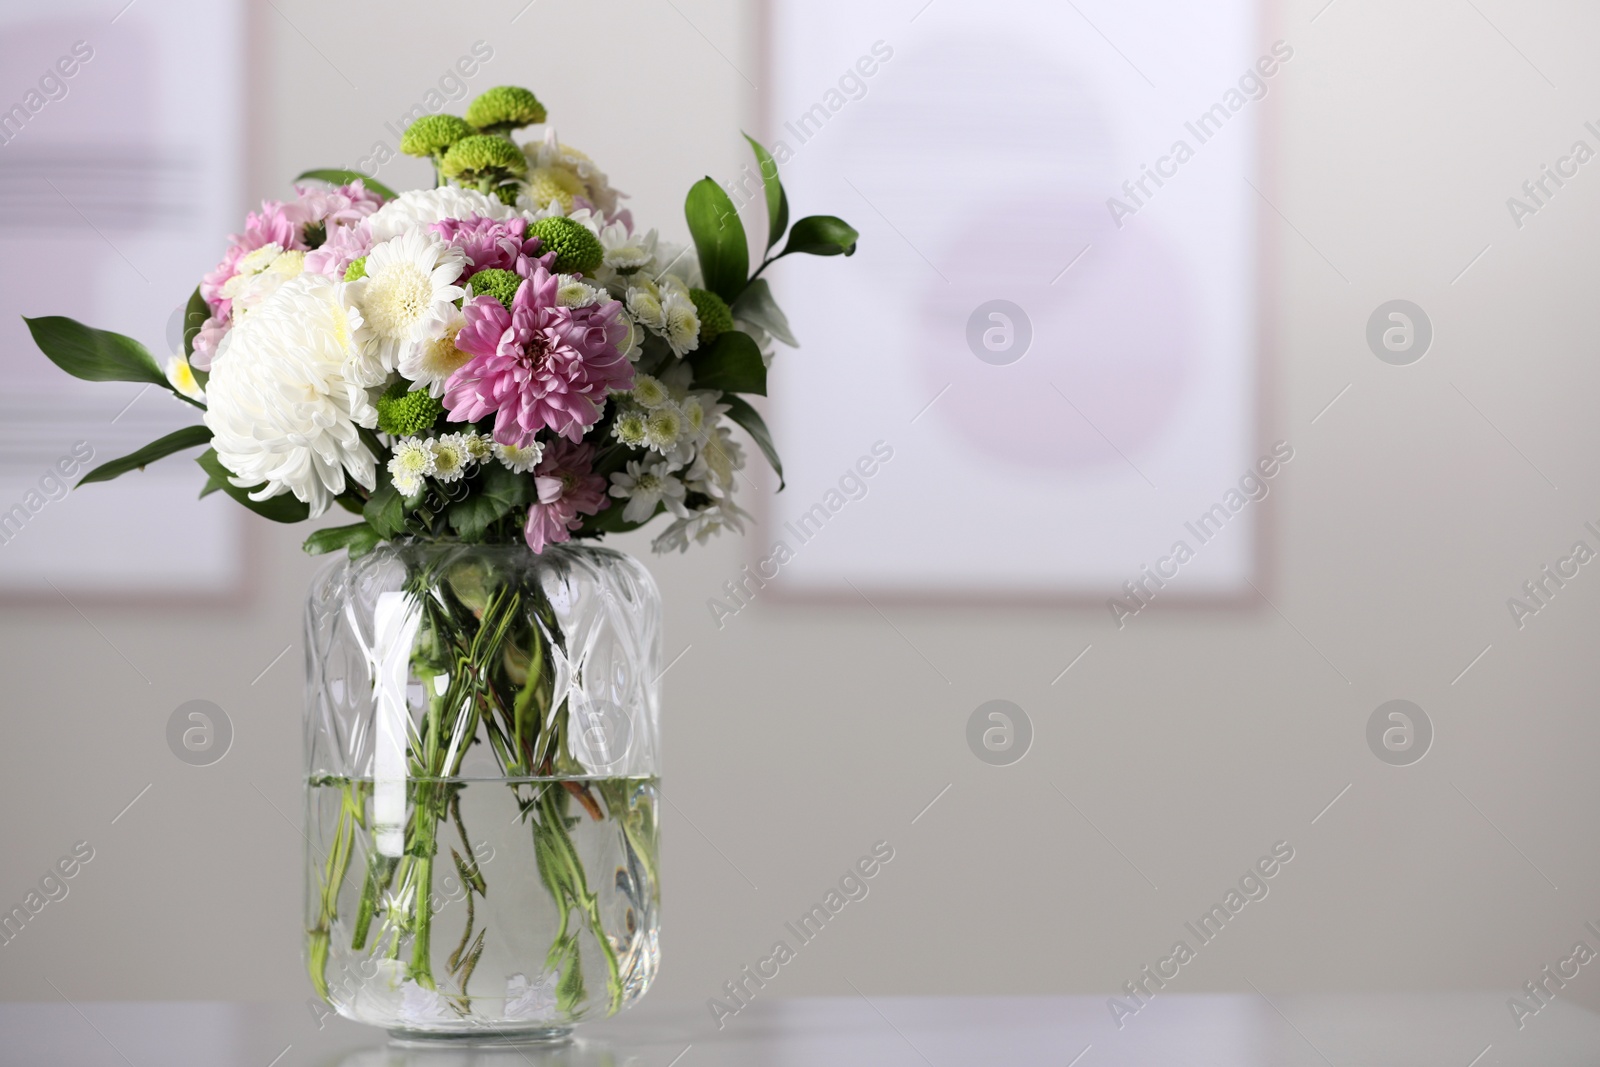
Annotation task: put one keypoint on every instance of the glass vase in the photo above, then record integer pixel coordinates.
(482, 785)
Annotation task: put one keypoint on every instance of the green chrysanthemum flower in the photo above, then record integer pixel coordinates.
(577, 250)
(431, 135)
(715, 317)
(404, 414)
(500, 284)
(483, 157)
(357, 269)
(505, 108)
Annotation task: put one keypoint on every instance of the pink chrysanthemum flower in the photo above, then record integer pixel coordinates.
(498, 244)
(568, 489)
(539, 365)
(337, 210)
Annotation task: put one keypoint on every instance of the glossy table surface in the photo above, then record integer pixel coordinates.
(1241, 1030)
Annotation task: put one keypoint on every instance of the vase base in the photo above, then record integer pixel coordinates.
(551, 1035)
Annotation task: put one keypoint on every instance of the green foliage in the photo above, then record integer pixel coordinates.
(358, 538)
(757, 307)
(176, 441)
(500, 491)
(281, 508)
(385, 510)
(719, 239)
(821, 235)
(577, 250)
(505, 108)
(740, 411)
(500, 284)
(356, 270)
(483, 157)
(94, 355)
(340, 176)
(777, 199)
(715, 317)
(733, 364)
(432, 135)
(406, 414)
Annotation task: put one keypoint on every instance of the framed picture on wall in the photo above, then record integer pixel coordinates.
(120, 164)
(1059, 288)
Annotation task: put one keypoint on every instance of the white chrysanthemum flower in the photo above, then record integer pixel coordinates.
(676, 263)
(450, 457)
(682, 328)
(645, 484)
(531, 1000)
(406, 299)
(626, 251)
(630, 427)
(573, 292)
(431, 362)
(589, 180)
(663, 427)
(520, 458)
(418, 208)
(181, 377)
(283, 405)
(643, 301)
(254, 262)
(411, 463)
(289, 264)
(649, 392)
(480, 447)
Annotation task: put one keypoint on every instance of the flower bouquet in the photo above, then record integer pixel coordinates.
(489, 375)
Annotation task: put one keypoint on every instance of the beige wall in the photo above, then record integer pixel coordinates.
(798, 736)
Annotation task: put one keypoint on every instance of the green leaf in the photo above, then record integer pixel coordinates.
(281, 508)
(821, 235)
(740, 411)
(500, 491)
(176, 441)
(211, 486)
(777, 199)
(757, 307)
(93, 355)
(385, 510)
(339, 176)
(358, 537)
(195, 314)
(731, 363)
(718, 238)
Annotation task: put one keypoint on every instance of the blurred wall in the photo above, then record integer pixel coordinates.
(1164, 763)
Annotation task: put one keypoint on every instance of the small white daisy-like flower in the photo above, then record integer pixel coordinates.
(663, 427)
(289, 264)
(450, 457)
(520, 458)
(181, 377)
(630, 427)
(431, 362)
(572, 292)
(411, 463)
(645, 484)
(626, 251)
(649, 392)
(480, 447)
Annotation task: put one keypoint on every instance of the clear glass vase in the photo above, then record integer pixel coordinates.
(482, 783)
